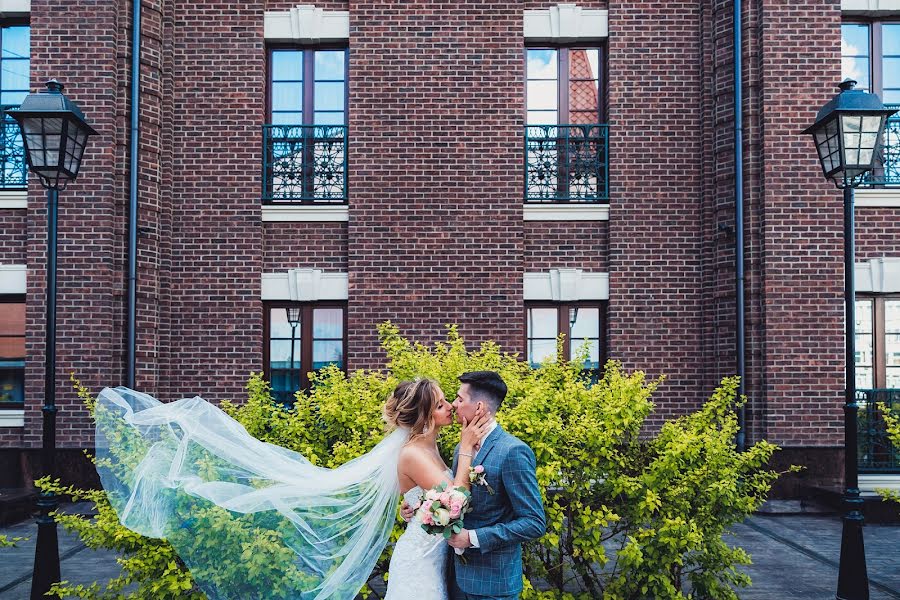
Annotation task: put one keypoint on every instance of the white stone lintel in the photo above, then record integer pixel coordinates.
(10, 9)
(12, 418)
(871, 8)
(12, 279)
(305, 213)
(566, 23)
(305, 285)
(877, 197)
(566, 285)
(878, 275)
(869, 482)
(565, 212)
(13, 199)
(306, 24)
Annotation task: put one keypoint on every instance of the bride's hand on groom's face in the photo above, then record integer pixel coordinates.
(473, 432)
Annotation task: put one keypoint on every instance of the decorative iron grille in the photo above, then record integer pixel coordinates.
(877, 454)
(888, 170)
(567, 163)
(14, 172)
(305, 163)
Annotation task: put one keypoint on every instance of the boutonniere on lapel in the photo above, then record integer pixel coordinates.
(476, 477)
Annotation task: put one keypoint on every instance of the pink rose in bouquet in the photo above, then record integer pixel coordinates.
(443, 509)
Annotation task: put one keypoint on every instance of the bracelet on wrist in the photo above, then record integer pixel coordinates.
(465, 454)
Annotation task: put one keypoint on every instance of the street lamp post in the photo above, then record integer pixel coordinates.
(54, 132)
(848, 136)
(293, 317)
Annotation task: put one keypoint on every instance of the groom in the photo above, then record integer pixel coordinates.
(500, 521)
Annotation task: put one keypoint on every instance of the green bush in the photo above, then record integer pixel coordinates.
(892, 428)
(630, 514)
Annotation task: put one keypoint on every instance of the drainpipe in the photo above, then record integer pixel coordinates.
(133, 188)
(739, 220)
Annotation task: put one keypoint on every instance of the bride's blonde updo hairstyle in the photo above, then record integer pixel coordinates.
(412, 405)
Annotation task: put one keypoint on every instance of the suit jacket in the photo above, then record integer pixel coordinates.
(502, 521)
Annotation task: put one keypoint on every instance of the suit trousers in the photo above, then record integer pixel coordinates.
(458, 594)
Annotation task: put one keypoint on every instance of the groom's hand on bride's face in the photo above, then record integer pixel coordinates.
(406, 512)
(460, 540)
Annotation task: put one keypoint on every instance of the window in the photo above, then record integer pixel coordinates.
(564, 86)
(578, 321)
(302, 337)
(307, 133)
(870, 54)
(566, 141)
(12, 351)
(878, 342)
(15, 66)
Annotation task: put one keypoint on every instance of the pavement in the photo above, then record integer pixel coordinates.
(795, 553)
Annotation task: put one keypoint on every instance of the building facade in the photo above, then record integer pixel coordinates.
(521, 169)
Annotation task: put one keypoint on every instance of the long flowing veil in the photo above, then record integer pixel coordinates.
(249, 519)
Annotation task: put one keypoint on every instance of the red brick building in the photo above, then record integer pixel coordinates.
(521, 169)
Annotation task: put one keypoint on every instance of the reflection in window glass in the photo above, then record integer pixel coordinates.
(890, 38)
(892, 342)
(855, 54)
(865, 377)
(12, 352)
(584, 86)
(542, 329)
(541, 86)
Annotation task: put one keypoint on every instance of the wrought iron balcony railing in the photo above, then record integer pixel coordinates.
(304, 164)
(877, 454)
(567, 163)
(888, 171)
(14, 171)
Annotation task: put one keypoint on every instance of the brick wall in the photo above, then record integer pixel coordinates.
(436, 233)
(655, 222)
(558, 244)
(213, 329)
(803, 309)
(62, 32)
(13, 238)
(313, 245)
(877, 233)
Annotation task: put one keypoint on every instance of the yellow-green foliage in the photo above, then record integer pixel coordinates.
(630, 514)
(892, 428)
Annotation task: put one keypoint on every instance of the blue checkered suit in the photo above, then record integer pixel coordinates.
(502, 521)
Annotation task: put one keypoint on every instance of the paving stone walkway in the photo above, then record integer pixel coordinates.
(795, 556)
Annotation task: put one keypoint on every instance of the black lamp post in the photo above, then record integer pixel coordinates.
(848, 136)
(55, 133)
(293, 317)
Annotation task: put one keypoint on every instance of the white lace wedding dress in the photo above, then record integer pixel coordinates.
(418, 569)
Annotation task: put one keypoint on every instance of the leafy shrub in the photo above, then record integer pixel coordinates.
(892, 428)
(631, 514)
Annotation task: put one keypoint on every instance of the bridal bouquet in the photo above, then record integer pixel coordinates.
(442, 509)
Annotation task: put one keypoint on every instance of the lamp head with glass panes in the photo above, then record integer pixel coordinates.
(55, 134)
(848, 134)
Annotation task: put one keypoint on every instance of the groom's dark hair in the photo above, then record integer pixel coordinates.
(486, 386)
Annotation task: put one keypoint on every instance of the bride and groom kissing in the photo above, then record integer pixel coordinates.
(505, 500)
(166, 467)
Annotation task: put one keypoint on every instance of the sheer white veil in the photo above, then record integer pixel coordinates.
(167, 467)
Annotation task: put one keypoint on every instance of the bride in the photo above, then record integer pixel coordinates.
(420, 407)
(167, 467)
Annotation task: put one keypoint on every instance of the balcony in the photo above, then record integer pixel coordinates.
(877, 454)
(888, 173)
(567, 163)
(304, 164)
(14, 172)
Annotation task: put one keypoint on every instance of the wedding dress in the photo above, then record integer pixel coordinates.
(292, 530)
(418, 569)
